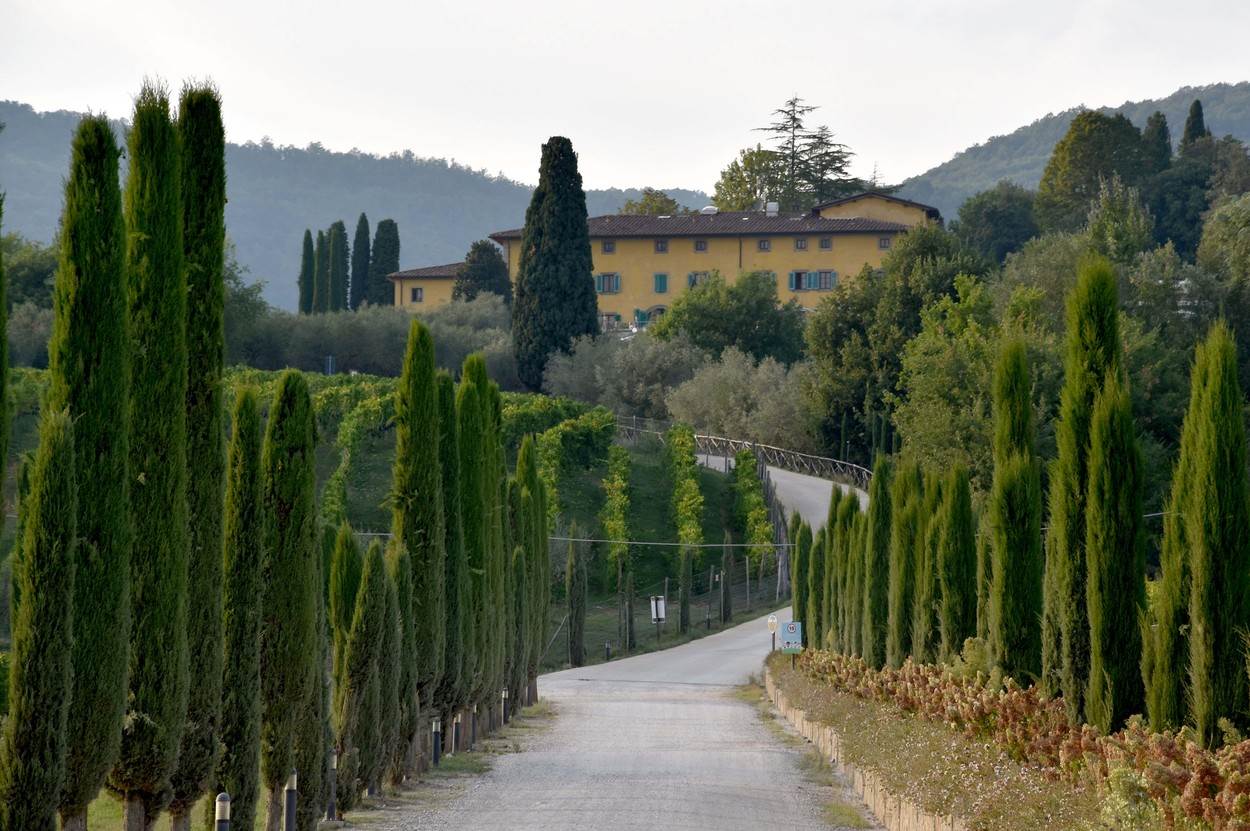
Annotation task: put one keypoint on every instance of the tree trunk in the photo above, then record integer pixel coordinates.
(77, 822)
(134, 815)
(180, 821)
(273, 817)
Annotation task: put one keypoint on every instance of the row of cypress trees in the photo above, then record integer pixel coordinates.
(335, 275)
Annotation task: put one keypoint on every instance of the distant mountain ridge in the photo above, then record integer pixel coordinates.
(1021, 156)
(274, 193)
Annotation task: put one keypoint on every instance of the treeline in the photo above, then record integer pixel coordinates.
(184, 617)
(687, 504)
(1067, 607)
(335, 276)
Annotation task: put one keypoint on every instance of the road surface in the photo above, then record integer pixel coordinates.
(798, 492)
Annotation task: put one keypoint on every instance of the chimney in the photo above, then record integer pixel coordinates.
(771, 208)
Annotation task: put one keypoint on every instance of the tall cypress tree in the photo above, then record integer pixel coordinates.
(359, 288)
(1195, 126)
(89, 375)
(417, 502)
(957, 566)
(399, 567)
(555, 295)
(1115, 560)
(204, 236)
(852, 555)
(383, 261)
(801, 550)
(1015, 523)
(1216, 529)
(520, 625)
(321, 274)
(336, 240)
(1156, 142)
(906, 534)
(534, 506)
(307, 274)
(985, 556)
(361, 701)
(312, 730)
(925, 624)
(814, 617)
(454, 684)
(346, 568)
(727, 568)
(237, 772)
(6, 416)
(473, 519)
(875, 573)
(32, 757)
(833, 569)
(157, 703)
(389, 675)
(575, 591)
(1092, 350)
(289, 580)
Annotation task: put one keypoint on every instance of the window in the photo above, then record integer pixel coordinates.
(800, 244)
(813, 280)
(883, 243)
(418, 294)
(826, 243)
(608, 283)
(764, 245)
(700, 245)
(661, 283)
(694, 278)
(661, 246)
(608, 246)
(828, 279)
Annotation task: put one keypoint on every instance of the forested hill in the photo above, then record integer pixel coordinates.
(276, 192)
(1021, 156)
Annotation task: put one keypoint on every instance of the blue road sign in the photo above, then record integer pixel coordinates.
(792, 637)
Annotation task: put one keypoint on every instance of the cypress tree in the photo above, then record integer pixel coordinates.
(1156, 142)
(845, 551)
(312, 731)
(290, 582)
(417, 520)
(237, 772)
(6, 416)
(339, 256)
(454, 683)
(89, 375)
(802, 547)
(383, 260)
(1092, 350)
(555, 295)
(307, 274)
(346, 569)
(399, 567)
(203, 142)
(985, 557)
(727, 567)
(925, 623)
(1216, 529)
(906, 534)
(1195, 126)
(473, 520)
(321, 274)
(1015, 522)
(575, 589)
(359, 288)
(32, 757)
(685, 586)
(157, 702)
(520, 626)
(875, 573)
(359, 738)
(389, 674)
(833, 568)
(957, 567)
(816, 591)
(533, 504)
(1116, 565)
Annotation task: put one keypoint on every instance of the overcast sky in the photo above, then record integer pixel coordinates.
(652, 92)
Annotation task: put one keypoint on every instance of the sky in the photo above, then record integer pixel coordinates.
(652, 92)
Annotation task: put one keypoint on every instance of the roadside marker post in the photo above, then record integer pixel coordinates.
(222, 814)
(772, 629)
(657, 614)
(291, 792)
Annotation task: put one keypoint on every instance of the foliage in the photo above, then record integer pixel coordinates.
(575, 592)
(906, 537)
(484, 270)
(336, 239)
(750, 510)
(1096, 147)
(800, 552)
(997, 221)
(383, 260)
(874, 575)
(527, 414)
(578, 442)
(555, 298)
(359, 285)
(321, 274)
(614, 517)
(30, 269)
(40, 677)
(653, 202)
(90, 378)
(359, 738)
(748, 181)
(956, 565)
(458, 626)
(1119, 227)
(683, 475)
(307, 275)
(745, 314)
(813, 615)
(810, 166)
(632, 377)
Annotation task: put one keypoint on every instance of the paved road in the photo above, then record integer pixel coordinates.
(806, 494)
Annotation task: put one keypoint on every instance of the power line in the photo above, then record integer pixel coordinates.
(679, 544)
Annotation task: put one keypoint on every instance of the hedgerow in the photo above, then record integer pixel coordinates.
(750, 509)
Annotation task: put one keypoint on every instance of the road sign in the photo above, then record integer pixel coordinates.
(792, 638)
(772, 623)
(657, 608)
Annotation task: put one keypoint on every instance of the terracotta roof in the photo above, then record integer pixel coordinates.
(724, 224)
(929, 210)
(447, 272)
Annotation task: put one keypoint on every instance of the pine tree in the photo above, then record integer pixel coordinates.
(484, 270)
(1014, 522)
(89, 375)
(383, 261)
(336, 240)
(358, 291)
(957, 566)
(399, 567)
(1093, 350)
(1115, 560)
(575, 591)
(359, 738)
(906, 534)
(802, 547)
(417, 502)
(289, 580)
(307, 274)
(203, 144)
(925, 623)
(321, 274)
(555, 296)
(458, 624)
(32, 757)
(157, 702)
(237, 771)
(875, 572)
(1156, 142)
(1216, 530)
(1195, 126)
(814, 617)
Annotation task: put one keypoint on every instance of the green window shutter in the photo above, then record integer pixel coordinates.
(661, 283)
(793, 281)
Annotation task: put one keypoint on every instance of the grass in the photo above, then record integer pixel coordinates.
(938, 768)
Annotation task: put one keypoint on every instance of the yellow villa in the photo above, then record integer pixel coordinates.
(424, 287)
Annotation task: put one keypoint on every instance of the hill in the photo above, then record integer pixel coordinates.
(1021, 155)
(276, 192)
